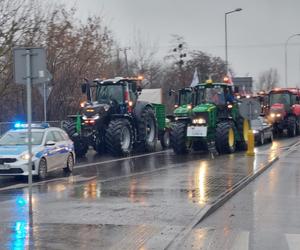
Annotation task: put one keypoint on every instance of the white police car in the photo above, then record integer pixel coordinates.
(51, 149)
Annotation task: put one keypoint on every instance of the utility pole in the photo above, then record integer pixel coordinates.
(126, 59)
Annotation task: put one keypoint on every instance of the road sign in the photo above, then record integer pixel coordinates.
(29, 68)
(249, 108)
(39, 73)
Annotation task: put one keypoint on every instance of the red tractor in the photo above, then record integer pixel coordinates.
(284, 110)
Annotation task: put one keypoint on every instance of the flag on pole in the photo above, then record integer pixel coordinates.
(195, 80)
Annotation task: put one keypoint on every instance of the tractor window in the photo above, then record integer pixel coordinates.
(185, 97)
(293, 99)
(106, 93)
(215, 95)
(283, 98)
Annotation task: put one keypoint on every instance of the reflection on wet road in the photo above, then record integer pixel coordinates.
(142, 201)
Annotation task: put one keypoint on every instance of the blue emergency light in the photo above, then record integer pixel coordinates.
(20, 125)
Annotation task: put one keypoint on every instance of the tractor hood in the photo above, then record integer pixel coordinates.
(277, 110)
(183, 110)
(205, 107)
(94, 110)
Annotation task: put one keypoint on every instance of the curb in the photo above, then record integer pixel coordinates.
(177, 242)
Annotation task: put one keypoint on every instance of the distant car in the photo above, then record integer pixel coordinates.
(262, 130)
(51, 149)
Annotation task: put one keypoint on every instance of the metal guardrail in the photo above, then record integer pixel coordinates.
(5, 126)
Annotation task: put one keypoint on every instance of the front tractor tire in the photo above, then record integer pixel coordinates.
(178, 138)
(147, 131)
(119, 137)
(225, 138)
(80, 145)
(291, 126)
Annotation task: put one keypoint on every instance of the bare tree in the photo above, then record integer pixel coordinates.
(268, 79)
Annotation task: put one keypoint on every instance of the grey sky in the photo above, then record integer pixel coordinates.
(256, 35)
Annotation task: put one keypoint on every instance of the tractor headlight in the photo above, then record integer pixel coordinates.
(272, 115)
(278, 115)
(84, 117)
(96, 117)
(255, 131)
(199, 121)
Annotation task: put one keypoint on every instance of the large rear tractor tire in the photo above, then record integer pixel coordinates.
(225, 138)
(147, 131)
(291, 126)
(80, 145)
(243, 128)
(178, 139)
(119, 137)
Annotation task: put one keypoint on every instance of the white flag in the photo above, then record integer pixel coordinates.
(195, 80)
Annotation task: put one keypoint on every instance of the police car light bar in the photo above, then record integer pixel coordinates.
(19, 125)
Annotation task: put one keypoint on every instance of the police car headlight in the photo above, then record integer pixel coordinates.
(25, 156)
(199, 121)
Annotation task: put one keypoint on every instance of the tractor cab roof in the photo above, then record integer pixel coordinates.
(293, 91)
(117, 80)
(213, 84)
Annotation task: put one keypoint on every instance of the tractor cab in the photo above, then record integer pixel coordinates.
(183, 102)
(284, 110)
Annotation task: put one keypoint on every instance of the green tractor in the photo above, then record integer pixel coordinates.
(115, 121)
(183, 103)
(214, 122)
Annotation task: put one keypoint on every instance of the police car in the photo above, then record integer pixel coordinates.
(51, 149)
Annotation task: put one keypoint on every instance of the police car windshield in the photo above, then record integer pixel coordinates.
(21, 138)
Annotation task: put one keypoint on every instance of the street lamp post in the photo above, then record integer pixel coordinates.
(285, 56)
(226, 47)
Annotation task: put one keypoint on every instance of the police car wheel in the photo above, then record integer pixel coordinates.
(70, 164)
(42, 169)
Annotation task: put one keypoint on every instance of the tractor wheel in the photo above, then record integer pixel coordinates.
(243, 128)
(200, 146)
(225, 138)
(178, 139)
(147, 131)
(291, 126)
(70, 128)
(119, 137)
(165, 139)
(80, 146)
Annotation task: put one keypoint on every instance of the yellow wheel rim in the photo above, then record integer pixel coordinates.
(231, 137)
(246, 128)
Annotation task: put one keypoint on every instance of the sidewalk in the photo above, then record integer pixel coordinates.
(264, 215)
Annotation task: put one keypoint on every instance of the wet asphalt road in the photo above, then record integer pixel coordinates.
(142, 202)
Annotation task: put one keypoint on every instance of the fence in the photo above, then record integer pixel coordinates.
(5, 126)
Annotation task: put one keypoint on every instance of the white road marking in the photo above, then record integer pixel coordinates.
(241, 242)
(293, 241)
(119, 159)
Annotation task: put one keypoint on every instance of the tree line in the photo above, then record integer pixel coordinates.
(78, 49)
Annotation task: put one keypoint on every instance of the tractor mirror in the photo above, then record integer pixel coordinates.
(139, 88)
(83, 88)
(297, 98)
(170, 92)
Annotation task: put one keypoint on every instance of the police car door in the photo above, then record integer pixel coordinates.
(51, 151)
(62, 152)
